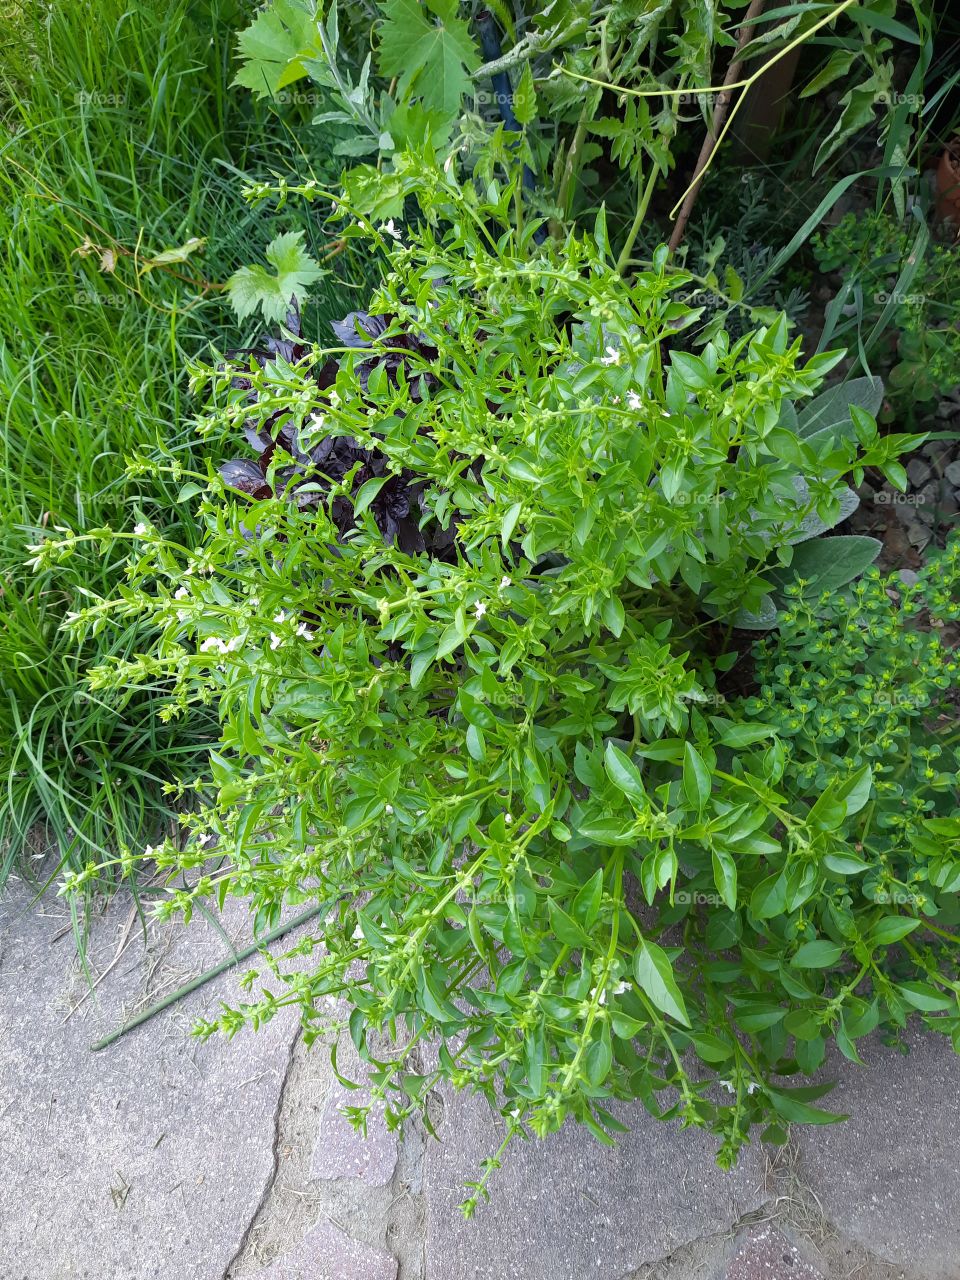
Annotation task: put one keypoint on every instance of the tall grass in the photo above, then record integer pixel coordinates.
(119, 139)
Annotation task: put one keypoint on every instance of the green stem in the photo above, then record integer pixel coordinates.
(572, 164)
(942, 933)
(643, 200)
(600, 988)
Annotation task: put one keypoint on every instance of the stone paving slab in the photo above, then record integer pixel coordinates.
(889, 1177)
(766, 1254)
(340, 1151)
(147, 1160)
(327, 1253)
(571, 1209)
(164, 1158)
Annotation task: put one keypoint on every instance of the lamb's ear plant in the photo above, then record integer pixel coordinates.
(484, 725)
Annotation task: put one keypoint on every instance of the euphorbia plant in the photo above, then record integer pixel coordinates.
(490, 750)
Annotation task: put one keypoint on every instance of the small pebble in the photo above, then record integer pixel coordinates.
(936, 450)
(918, 536)
(906, 512)
(926, 514)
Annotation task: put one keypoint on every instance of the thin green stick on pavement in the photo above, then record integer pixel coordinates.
(217, 969)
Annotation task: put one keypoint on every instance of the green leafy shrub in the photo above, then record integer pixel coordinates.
(910, 288)
(501, 760)
(861, 691)
(598, 101)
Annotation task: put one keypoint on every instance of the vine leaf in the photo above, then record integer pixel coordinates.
(433, 59)
(276, 45)
(253, 287)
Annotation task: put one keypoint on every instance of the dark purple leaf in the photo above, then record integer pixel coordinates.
(359, 328)
(398, 507)
(245, 476)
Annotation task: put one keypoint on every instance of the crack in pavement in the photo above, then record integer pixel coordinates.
(272, 1176)
(407, 1241)
(793, 1210)
(388, 1217)
(709, 1246)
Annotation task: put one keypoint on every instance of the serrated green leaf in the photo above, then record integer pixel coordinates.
(430, 50)
(294, 269)
(274, 47)
(525, 97)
